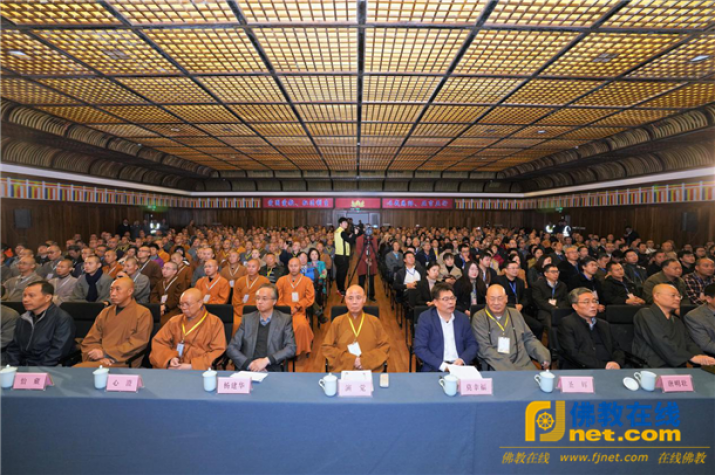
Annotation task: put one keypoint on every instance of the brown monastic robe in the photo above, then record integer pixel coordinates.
(119, 335)
(201, 346)
(372, 339)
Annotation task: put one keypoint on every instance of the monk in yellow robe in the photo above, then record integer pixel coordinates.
(215, 288)
(372, 349)
(120, 331)
(168, 291)
(296, 291)
(244, 291)
(192, 340)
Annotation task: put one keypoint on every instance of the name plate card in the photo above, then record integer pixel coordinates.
(354, 388)
(576, 384)
(475, 387)
(124, 383)
(234, 385)
(32, 381)
(671, 383)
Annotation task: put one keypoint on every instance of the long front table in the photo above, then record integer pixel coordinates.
(288, 426)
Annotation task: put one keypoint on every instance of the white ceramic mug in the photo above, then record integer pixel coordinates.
(7, 376)
(329, 383)
(101, 375)
(545, 380)
(210, 380)
(646, 379)
(449, 384)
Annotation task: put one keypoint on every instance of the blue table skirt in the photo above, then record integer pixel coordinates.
(288, 426)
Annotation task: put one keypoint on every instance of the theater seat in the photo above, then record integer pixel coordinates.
(620, 317)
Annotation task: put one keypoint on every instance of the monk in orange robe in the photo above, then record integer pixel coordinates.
(244, 291)
(296, 291)
(120, 331)
(356, 327)
(215, 288)
(192, 340)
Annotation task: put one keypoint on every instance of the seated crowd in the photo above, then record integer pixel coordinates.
(490, 295)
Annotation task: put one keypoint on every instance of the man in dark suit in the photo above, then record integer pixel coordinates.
(444, 335)
(408, 277)
(547, 294)
(568, 268)
(585, 340)
(659, 336)
(519, 296)
(514, 286)
(426, 255)
(265, 337)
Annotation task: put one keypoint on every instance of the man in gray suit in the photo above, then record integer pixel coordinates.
(505, 341)
(701, 322)
(265, 337)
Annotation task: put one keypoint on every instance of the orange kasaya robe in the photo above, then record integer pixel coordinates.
(202, 344)
(299, 303)
(244, 293)
(216, 289)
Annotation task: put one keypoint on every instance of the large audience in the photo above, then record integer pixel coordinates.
(485, 296)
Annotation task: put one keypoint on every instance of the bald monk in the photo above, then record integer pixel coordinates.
(244, 291)
(372, 347)
(215, 288)
(192, 340)
(120, 331)
(111, 266)
(296, 291)
(167, 292)
(182, 270)
(232, 269)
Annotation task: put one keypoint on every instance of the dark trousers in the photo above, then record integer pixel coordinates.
(361, 281)
(342, 265)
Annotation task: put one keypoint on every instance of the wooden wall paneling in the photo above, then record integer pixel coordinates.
(60, 221)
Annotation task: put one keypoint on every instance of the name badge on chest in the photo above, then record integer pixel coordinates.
(230, 282)
(295, 297)
(504, 345)
(354, 349)
(163, 298)
(207, 297)
(552, 302)
(180, 349)
(245, 298)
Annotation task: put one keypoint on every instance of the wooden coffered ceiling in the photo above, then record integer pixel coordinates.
(361, 86)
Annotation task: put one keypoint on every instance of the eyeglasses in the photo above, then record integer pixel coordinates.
(589, 302)
(675, 296)
(263, 299)
(449, 299)
(497, 298)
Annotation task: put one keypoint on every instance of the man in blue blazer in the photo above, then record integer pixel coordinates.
(444, 336)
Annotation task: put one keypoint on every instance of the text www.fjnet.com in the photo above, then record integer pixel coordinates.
(598, 458)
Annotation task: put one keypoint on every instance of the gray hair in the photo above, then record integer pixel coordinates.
(576, 293)
(270, 286)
